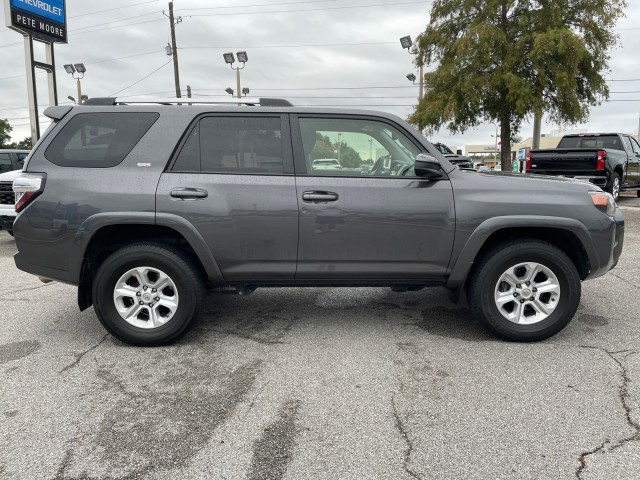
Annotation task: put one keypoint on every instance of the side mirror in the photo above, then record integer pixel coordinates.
(427, 166)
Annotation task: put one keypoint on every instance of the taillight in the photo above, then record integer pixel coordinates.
(528, 164)
(600, 161)
(27, 187)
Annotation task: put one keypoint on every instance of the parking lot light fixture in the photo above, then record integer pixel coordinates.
(77, 71)
(245, 91)
(229, 90)
(411, 77)
(230, 59)
(406, 42)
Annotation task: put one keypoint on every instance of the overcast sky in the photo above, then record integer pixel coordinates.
(313, 52)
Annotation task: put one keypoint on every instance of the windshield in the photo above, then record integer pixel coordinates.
(443, 149)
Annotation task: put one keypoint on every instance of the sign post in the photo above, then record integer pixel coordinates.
(44, 21)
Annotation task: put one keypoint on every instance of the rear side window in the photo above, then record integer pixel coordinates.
(98, 140)
(601, 141)
(233, 145)
(5, 163)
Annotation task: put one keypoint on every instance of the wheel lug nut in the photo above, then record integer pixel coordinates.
(531, 299)
(518, 286)
(138, 294)
(151, 305)
(145, 287)
(535, 289)
(528, 283)
(522, 300)
(157, 299)
(516, 294)
(141, 303)
(154, 290)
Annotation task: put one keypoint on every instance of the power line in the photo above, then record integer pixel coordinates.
(115, 8)
(311, 88)
(310, 9)
(292, 46)
(143, 78)
(254, 5)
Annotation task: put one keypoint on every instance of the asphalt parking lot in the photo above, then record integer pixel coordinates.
(321, 383)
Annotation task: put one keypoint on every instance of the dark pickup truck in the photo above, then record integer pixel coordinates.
(609, 160)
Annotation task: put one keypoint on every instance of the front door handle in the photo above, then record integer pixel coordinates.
(319, 197)
(189, 193)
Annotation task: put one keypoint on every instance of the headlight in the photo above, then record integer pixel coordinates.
(604, 202)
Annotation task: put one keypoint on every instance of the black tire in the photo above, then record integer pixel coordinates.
(10, 232)
(638, 193)
(177, 266)
(614, 186)
(484, 280)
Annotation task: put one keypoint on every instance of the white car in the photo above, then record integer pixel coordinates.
(326, 164)
(7, 200)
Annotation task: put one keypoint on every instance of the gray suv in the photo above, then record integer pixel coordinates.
(145, 206)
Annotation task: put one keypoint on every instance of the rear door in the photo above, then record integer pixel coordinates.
(232, 179)
(372, 218)
(633, 152)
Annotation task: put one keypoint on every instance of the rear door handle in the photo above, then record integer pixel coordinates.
(189, 193)
(319, 197)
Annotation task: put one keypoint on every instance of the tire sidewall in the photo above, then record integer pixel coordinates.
(103, 288)
(567, 277)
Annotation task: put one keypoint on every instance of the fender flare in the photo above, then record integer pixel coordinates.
(93, 224)
(466, 258)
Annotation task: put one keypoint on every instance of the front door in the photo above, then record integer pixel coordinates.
(363, 212)
(233, 180)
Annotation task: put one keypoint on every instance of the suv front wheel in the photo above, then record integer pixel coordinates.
(148, 294)
(524, 290)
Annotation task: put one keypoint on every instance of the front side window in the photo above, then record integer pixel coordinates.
(233, 145)
(98, 140)
(338, 147)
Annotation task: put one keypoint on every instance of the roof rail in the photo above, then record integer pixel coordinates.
(264, 102)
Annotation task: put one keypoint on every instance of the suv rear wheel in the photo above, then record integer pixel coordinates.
(148, 295)
(525, 290)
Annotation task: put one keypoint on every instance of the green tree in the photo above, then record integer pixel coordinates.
(508, 59)
(24, 144)
(5, 133)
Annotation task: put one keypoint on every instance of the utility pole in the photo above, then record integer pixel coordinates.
(174, 48)
(537, 125)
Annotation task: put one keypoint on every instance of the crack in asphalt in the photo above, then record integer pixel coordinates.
(80, 355)
(403, 432)
(250, 337)
(625, 280)
(28, 289)
(623, 395)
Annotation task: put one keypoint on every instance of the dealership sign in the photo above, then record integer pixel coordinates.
(44, 20)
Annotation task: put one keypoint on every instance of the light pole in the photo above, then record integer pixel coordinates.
(80, 69)
(370, 149)
(230, 59)
(339, 135)
(407, 43)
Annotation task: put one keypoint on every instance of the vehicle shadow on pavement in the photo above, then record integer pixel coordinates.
(268, 315)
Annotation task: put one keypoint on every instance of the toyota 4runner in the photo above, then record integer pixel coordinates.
(144, 205)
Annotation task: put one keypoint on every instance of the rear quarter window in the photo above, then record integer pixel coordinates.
(98, 140)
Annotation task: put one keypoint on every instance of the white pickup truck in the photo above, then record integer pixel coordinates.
(7, 200)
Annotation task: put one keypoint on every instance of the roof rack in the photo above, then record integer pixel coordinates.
(263, 102)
